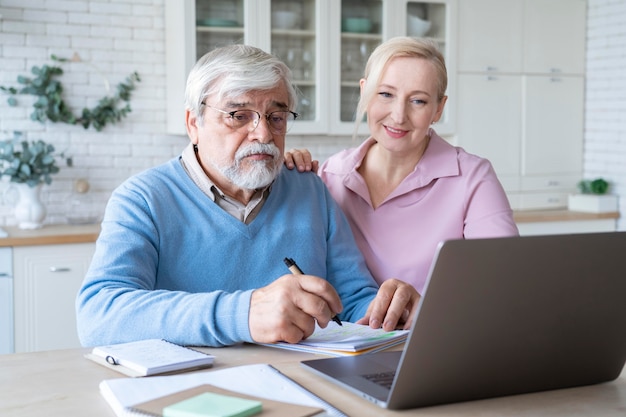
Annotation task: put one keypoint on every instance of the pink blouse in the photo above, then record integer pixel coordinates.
(450, 194)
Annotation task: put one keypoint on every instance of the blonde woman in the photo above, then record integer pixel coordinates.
(405, 189)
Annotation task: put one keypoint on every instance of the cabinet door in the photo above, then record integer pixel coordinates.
(489, 122)
(217, 23)
(435, 19)
(295, 30)
(553, 138)
(326, 48)
(388, 18)
(490, 36)
(46, 281)
(555, 33)
(192, 28)
(6, 300)
(298, 35)
(354, 33)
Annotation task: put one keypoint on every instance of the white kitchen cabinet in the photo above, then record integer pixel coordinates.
(490, 36)
(326, 56)
(46, 281)
(522, 36)
(347, 55)
(538, 77)
(554, 36)
(6, 300)
(490, 122)
(552, 142)
(530, 128)
(194, 27)
(390, 18)
(553, 137)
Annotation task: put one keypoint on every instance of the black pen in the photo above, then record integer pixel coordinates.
(295, 269)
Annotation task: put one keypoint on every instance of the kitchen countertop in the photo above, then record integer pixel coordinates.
(84, 233)
(51, 235)
(561, 215)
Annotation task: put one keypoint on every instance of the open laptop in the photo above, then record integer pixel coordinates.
(503, 316)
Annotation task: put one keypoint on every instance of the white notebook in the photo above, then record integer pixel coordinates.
(260, 380)
(149, 357)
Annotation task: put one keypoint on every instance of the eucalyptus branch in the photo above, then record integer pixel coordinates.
(31, 162)
(51, 106)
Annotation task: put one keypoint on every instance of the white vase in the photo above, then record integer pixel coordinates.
(29, 211)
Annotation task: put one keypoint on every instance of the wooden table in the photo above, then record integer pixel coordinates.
(63, 383)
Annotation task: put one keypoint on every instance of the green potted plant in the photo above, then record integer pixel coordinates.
(593, 197)
(29, 165)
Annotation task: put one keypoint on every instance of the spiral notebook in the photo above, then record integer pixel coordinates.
(149, 357)
(127, 396)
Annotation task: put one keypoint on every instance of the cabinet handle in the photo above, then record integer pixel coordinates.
(555, 70)
(59, 269)
(489, 68)
(492, 78)
(4, 274)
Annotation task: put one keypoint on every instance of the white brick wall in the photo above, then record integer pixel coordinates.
(118, 37)
(605, 113)
(114, 38)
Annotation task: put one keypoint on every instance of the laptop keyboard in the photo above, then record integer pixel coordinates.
(384, 379)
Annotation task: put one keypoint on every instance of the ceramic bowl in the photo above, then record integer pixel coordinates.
(356, 25)
(284, 19)
(418, 27)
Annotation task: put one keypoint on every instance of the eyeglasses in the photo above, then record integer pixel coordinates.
(279, 121)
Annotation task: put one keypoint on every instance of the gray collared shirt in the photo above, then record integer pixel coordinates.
(244, 212)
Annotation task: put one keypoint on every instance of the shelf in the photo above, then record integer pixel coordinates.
(293, 32)
(362, 36)
(219, 29)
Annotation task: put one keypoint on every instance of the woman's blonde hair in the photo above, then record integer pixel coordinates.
(402, 46)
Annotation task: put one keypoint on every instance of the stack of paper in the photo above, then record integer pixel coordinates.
(347, 339)
(148, 396)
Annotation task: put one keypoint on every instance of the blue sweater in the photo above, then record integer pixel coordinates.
(169, 263)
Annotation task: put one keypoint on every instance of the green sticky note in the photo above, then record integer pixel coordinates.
(209, 404)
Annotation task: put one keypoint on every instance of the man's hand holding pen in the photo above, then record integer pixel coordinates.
(295, 269)
(287, 309)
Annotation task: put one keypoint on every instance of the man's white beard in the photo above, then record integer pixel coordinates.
(260, 173)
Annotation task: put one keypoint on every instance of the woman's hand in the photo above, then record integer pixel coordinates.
(302, 159)
(394, 306)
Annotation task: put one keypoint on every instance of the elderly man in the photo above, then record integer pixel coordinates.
(192, 251)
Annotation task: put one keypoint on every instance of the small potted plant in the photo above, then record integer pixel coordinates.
(593, 197)
(29, 165)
